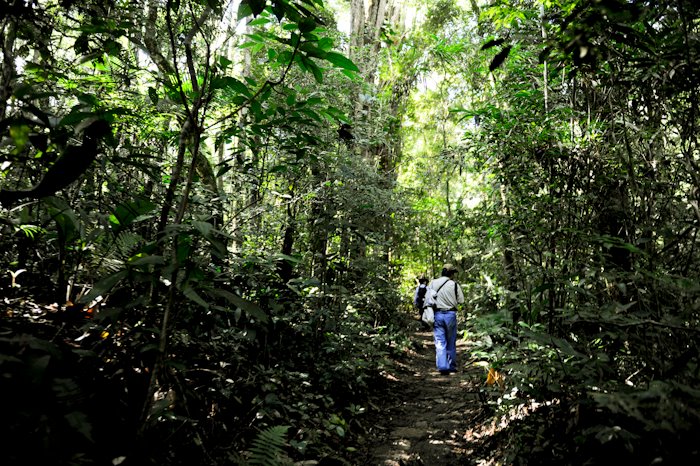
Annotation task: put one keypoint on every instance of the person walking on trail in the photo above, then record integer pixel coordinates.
(419, 301)
(449, 296)
(419, 295)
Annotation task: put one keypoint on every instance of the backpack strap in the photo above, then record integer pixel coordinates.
(443, 284)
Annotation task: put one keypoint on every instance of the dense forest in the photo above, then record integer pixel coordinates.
(213, 214)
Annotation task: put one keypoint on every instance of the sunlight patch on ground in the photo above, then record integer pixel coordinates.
(389, 376)
(520, 411)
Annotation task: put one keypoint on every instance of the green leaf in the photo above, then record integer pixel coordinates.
(20, 137)
(341, 61)
(325, 44)
(302, 61)
(256, 109)
(257, 38)
(128, 212)
(153, 95)
(336, 114)
(566, 347)
(145, 259)
(80, 422)
(278, 10)
(268, 447)
(192, 294)
(307, 64)
(205, 228)
(318, 74)
(352, 75)
(292, 260)
(75, 117)
(259, 21)
(311, 114)
(257, 6)
(312, 51)
(104, 286)
(65, 218)
(250, 7)
(112, 47)
(307, 25)
(184, 248)
(81, 44)
(233, 84)
(284, 57)
(224, 62)
(250, 308)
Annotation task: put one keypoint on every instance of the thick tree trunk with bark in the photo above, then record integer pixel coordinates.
(7, 38)
(357, 21)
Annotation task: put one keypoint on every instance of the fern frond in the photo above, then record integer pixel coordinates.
(126, 244)
(268, 447)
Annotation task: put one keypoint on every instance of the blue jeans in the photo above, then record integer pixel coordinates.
(445, 332)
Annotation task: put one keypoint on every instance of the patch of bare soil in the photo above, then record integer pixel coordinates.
(426, 418)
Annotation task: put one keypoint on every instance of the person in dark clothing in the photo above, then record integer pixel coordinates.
(419, 295)
(420, 301)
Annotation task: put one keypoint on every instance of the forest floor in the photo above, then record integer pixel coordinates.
(426, 418)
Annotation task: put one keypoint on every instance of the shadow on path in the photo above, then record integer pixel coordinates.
(426, 415)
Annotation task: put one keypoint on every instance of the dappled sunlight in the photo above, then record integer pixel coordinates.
(216, 218)
(435, 410)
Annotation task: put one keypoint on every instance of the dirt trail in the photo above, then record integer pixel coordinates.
(426, 415)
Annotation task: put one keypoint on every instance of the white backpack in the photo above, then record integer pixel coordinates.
(430, 304)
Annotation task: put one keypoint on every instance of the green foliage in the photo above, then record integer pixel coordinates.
(267, 448)
(232, 261)
(189, 300)
(577, 235)
(79, 413)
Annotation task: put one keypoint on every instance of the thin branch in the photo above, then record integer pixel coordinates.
(176, 72)
(261, 90)
(188, 45)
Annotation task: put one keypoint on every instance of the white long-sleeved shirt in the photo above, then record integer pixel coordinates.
(450, 295)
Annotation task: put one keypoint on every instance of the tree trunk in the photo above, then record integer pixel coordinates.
(509, 263)
(357, 21)
(375, 21)
(7, 36)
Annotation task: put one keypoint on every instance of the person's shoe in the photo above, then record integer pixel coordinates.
(445, 372)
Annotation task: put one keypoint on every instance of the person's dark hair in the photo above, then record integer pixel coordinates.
(422, 280)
